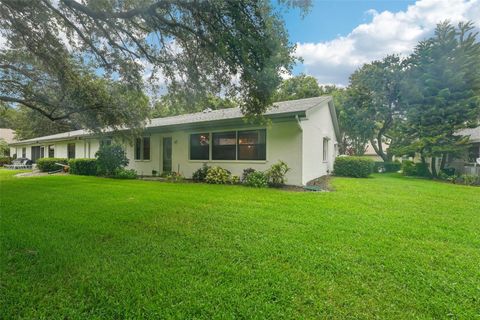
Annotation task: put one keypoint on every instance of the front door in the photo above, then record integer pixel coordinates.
(167, 154)
(36, 153)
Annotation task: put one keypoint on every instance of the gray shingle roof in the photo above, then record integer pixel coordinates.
(279, 108)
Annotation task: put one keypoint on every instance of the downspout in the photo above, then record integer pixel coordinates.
(301, 148)
(298, 122)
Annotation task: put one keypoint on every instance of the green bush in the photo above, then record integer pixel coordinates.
(173, 176)
(49, 164)
(122, 173)
(110, 158)
(246, 172)
(217, 175)
(409, 168)
(83, 167)
(379, 166)
(394, 166)
(276, 174)
(5, 160)
(235, 179)
(387, 166)
(448, 171)
(469, 180)
(421, 170)
(256, 179)
(201, 173)
(357, 167)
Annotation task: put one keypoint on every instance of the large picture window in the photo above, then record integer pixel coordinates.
(251, 145)
(224, 145)
(199, 146)
(142, 148)
(71, 151)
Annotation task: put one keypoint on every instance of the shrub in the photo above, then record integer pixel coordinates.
(154, 173)
(276, 174)
(357, 167)
(235, 179)
(217, 175)
(110, 158)
(421, 170)
(394, 166)
(448, 171)
(5, 160)
(409, 168)
(122, 173)
(256, 179)
(173, 176)
(84, 167)
(246, 172)
(201, 173)
(469, 180)
(49, 164)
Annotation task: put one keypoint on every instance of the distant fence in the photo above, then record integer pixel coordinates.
(471, 170)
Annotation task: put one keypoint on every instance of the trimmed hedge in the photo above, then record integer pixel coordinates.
(394, 166)
(389, 166)
(357, 167)
(83, 167)
(48, 164)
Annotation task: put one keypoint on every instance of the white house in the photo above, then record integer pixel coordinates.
(303, 133)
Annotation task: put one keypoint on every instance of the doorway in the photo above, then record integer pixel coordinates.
(37, 153)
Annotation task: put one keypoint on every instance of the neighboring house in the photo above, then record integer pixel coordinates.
(303, 133)
(468, 164)
(370, 152)
(8, 136)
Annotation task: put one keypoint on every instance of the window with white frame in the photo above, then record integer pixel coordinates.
(142, 148)
(325, 149)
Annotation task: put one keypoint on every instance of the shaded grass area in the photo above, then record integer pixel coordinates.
(384, 247)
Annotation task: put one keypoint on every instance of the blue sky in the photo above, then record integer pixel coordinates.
(329, 19)
(337, 37)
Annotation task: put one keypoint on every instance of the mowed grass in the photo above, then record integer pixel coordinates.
(386, 247)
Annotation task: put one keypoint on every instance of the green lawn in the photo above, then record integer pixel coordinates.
(385, 247)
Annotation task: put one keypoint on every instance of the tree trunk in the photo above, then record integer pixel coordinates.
(433, 166)
(444, 161)
(378, 147)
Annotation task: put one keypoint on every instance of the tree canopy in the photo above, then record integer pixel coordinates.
(441, 92)
(300, 87)
(88, 59)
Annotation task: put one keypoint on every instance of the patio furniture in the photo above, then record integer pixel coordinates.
(20, 163)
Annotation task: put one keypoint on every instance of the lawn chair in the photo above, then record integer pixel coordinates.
(20, 163)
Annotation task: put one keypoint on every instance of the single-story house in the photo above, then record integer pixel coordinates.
(469, 163)
(303, 133)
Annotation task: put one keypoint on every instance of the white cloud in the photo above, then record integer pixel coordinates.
(388, 32)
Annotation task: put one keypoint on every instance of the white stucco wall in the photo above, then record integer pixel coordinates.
(317, 125)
